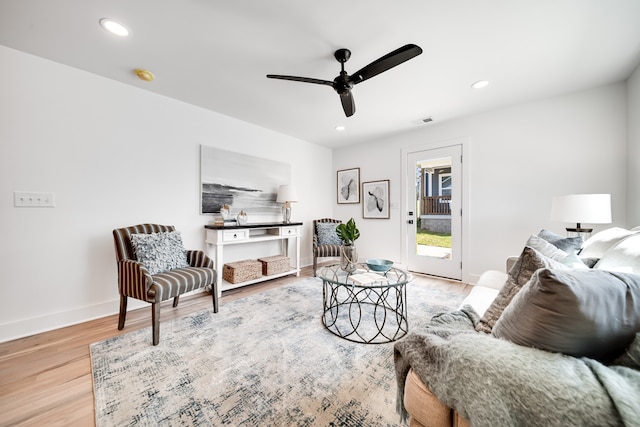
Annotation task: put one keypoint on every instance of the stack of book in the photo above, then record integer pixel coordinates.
(366, 278)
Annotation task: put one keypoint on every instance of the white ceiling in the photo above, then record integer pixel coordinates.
(215, 54)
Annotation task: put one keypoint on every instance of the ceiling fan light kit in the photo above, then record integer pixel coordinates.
(344, 82)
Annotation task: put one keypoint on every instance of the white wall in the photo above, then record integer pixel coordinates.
(633, 149)
(67, 131)
(114, 155)
(518, 159)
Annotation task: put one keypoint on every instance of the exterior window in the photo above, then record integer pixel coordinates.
(445, 185)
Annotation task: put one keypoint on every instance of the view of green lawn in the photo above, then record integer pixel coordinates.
(431, 238)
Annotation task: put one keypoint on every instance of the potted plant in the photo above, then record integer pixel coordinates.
(348, 233)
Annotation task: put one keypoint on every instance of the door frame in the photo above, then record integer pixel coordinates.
(464, 199)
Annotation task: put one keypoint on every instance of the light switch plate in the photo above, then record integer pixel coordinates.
(33, 199)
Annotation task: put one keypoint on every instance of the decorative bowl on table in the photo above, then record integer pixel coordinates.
(381, 265)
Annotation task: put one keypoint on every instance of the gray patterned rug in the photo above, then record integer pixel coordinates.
(264, 360)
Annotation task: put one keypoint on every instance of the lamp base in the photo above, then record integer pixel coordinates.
(286, 213)
(578, 231)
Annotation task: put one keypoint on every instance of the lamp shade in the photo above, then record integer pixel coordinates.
(578, 208)
(287, 193)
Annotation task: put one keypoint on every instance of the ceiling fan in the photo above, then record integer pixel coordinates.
(345, 82)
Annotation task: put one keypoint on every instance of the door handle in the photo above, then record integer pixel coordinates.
(410, 221)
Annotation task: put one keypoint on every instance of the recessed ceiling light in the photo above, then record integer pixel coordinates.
(114, 27)
(480, 84)
(340, 128)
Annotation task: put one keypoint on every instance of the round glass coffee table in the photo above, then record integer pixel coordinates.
(365, 306)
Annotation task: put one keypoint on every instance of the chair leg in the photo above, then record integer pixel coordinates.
(123, 312)
(214, 294)
(155, 320)
(315, 265)
(175, 301)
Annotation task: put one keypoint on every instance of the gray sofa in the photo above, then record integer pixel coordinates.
(555, 342)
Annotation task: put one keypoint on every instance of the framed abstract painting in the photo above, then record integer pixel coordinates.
(349, 186)
(243, 182)
(375, 197)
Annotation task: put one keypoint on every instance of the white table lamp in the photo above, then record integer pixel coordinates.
(287, 194)
(582, 208)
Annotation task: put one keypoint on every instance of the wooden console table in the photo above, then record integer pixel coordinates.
(219, 236)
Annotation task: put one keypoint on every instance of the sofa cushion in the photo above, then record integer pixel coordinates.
(480, 298)
(159, 252)
(624, 256)
(327, 235)
(582, 313)
(601, 242)
(529, 261)
(567, 244)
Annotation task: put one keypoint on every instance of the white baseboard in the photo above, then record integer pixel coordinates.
(35, 325)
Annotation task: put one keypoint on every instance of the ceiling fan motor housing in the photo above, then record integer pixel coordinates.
(342, 84)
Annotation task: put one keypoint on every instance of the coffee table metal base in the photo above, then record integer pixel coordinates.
(370, 315)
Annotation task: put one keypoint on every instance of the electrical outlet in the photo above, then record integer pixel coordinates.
(32, 199)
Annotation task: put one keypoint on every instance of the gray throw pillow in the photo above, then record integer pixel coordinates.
(159, 252)
(581, 313)
(327, 235)
(529, 261)
(631, 356)
(567, 244)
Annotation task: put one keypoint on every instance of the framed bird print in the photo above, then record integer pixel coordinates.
(375, 197)
(349, 186)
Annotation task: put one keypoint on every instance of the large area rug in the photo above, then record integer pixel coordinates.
(264, 360)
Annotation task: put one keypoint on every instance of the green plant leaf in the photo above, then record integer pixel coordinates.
(348, 232)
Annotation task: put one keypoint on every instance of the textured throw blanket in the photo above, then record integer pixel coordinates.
(493, 382)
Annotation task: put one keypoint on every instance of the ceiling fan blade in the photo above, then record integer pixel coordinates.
(385, 63)
(348, 103)
(301, 79)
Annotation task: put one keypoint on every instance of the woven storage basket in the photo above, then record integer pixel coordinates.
(242, 271)
(275, 264)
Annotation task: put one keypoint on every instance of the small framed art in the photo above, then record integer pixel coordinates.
(349, 186)
(375, 197)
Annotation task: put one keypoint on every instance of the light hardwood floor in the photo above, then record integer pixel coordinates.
(46, 379)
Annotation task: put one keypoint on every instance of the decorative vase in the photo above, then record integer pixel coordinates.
(348, 258)
(242, 218)
(224, 211)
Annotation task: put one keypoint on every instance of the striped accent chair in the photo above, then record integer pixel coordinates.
(135, 281)
(323, 250)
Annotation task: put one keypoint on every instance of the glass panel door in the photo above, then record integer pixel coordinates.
(434, 215)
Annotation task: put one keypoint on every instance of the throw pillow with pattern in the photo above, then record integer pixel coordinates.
(327, 235)
(159, 252)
